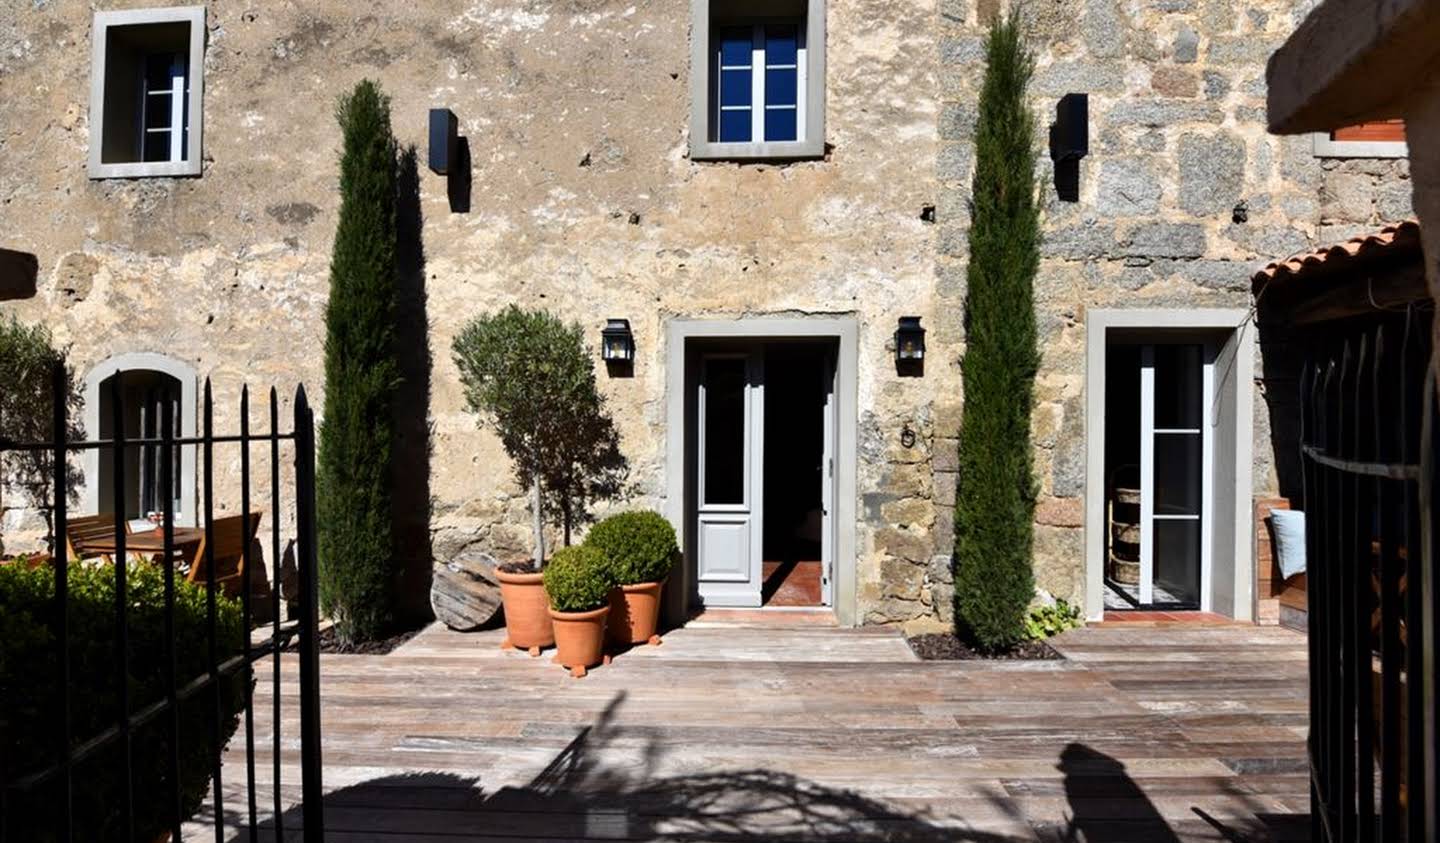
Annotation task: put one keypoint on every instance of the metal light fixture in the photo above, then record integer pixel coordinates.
(444, 140)
(617, 344)
(909, 340)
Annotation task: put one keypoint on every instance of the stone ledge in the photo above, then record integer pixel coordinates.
(1351, 61)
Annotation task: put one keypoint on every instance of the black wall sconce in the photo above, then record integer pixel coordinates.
(1069, 142)
(910, 347)
(617, 347)
(450, 157)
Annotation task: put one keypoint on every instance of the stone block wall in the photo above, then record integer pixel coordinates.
(584, 202)
(1183, 197)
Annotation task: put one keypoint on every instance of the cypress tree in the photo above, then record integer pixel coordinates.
(356, 546)
(995, 501)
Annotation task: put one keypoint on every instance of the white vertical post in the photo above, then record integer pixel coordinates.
(177, 108)
(1147, 474)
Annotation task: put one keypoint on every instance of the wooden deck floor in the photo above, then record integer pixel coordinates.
(746, 732)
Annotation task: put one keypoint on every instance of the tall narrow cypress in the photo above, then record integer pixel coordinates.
(356, 546)
(995, 501)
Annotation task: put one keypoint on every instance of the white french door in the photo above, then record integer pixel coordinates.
(1175, 468)
(730, 464)
(827, 484)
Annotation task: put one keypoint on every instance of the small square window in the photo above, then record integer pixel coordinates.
(146, 85)
(1380, 139)
(758, 83)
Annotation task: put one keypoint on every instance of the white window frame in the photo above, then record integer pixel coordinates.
(810, 93)
(188, 164)
(1328, 147)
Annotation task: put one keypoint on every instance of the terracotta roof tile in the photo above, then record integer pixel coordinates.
(1389, 242)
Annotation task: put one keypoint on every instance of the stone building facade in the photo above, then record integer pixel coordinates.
(587, 201)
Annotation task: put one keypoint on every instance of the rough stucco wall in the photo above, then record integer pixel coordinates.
(583, 202)
(1177, 109)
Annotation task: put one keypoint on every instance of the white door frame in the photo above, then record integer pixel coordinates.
(845, 331)
(1231, 530)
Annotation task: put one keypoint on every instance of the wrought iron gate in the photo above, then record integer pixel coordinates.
(54, 785)
(1368, 447)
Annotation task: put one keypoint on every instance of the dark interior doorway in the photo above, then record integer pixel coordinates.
(797, 386)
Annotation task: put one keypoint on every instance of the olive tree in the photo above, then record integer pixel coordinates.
(530, 376)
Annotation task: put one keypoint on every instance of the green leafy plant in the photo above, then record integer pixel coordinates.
(995, 500)
(529, 375)
(578, 579)
(362, 375)
(28, 357)
(1045, 621)
(30, 718)
(638, 546)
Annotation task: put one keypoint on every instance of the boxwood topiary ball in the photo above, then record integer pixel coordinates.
(577, 579)
(638, 546)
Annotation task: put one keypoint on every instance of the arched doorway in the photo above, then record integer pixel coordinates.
(147, 382)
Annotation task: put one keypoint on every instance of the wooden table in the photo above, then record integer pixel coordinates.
(187, 542)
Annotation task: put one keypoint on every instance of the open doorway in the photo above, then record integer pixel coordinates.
(1157, 484)
(763, 456)
(798, 379)
(1169, 400)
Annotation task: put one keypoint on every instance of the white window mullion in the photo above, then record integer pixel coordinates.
(801, 77)
(1147, 474)
(757, 84)
(177, 109)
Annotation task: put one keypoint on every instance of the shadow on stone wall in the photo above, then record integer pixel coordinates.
(411, 487)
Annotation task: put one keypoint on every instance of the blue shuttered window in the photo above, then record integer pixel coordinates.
(759, 88)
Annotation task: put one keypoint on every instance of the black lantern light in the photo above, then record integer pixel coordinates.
(617, 344)
(909, 341)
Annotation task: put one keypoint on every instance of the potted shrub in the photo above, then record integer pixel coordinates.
(577, 581)
(639, 548)
(530, 376)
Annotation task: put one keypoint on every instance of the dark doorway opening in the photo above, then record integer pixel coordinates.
(798, 382)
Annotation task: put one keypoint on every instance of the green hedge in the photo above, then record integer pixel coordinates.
(577, 579)
(30, 722)
(638, 546)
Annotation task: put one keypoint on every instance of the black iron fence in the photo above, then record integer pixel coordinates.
(1368, 445)
(225, 678)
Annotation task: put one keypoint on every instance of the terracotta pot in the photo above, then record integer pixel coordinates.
(634, 613)
(527, 612)
(580, 638)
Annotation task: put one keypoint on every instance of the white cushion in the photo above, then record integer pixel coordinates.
(1289, 527)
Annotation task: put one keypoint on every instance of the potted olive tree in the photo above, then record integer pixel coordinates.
(639, 548)
(578, 583)
(530, 376)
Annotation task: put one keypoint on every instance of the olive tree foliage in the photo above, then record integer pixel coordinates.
(531, 377)
(28, 358)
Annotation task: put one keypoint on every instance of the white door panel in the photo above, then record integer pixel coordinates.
(730, 462)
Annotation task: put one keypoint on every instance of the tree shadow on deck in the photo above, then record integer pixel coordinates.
(579, 796)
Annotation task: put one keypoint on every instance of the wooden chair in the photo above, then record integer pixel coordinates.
(230, 536)
(81, 532)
